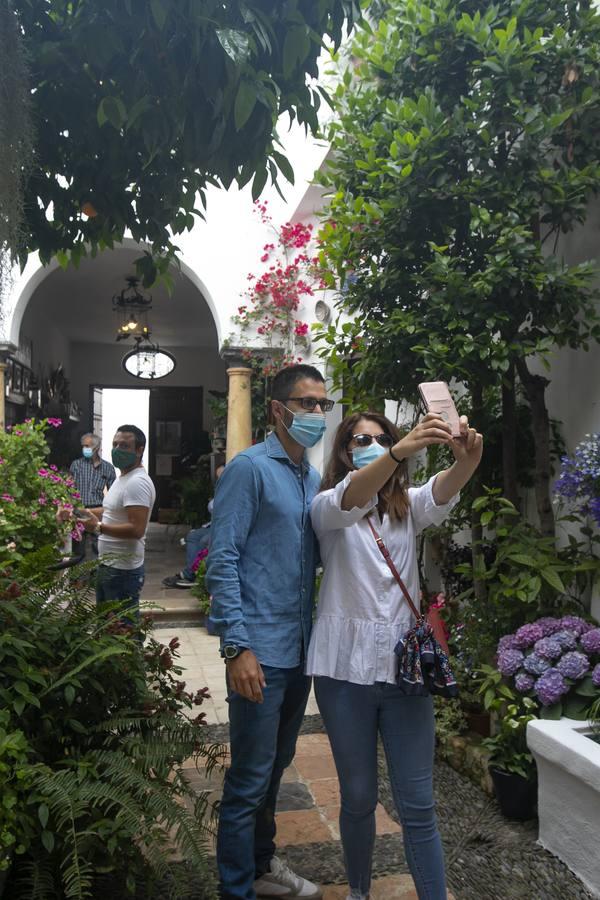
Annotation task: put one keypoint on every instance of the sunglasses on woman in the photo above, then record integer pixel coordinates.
(365, 440)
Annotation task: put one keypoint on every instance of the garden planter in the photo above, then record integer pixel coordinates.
(568, 764)
(515, 795)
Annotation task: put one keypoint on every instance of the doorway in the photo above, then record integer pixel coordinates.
(172, 420)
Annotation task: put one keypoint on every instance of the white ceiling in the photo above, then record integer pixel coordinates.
(79, 303)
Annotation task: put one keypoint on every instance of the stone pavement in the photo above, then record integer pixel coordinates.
(487, 857)
(308, 807)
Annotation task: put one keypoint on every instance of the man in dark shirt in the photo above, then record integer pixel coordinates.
(93, 476)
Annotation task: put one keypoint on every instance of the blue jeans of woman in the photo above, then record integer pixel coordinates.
(354, 716)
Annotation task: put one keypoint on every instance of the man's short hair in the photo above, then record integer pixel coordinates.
(140, 437)
(95, 439)
(285, 380)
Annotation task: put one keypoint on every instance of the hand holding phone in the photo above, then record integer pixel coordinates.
(82, 514)
(437, 399)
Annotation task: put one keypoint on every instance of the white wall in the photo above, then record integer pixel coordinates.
(101, 364)
(50, 345)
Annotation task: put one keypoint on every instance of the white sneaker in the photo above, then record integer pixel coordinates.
(356, 895)
(282, 882)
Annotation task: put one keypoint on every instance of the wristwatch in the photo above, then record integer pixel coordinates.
(230, 651)
(98, 528)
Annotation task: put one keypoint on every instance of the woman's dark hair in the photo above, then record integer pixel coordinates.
(393, 496)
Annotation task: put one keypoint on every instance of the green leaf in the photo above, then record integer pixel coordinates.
(487, 517)
(48, 841)
(551, 712)
(295, 49)
(587, 688)
(69, 694)
(235, 43)
(552, 577)
(522, 558)
(245, 101)
(260, 179)
(43, 814)
(284, 166)
(479, 503)
(159, 13)
(576, 707)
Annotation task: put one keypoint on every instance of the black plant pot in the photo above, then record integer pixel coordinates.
(516, 795)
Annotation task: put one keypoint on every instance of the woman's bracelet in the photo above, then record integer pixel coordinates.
(395, 458)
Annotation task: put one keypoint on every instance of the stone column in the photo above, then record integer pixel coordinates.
(239, 407)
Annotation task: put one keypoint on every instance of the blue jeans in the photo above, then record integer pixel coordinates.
(263, 742)
(354, 715)
(195, 540)
(120, 584)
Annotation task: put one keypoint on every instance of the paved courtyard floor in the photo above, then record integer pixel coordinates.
(487, 857)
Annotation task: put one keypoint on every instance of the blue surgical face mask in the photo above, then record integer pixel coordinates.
(306, 429)
(362, 456)
(88, 452)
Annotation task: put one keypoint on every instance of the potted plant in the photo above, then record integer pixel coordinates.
(511, 765)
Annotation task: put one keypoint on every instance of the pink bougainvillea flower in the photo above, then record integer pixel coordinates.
(44, 473)
(8, 498)
(56, 423)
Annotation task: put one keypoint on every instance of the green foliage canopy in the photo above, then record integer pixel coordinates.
(467, 140)
(139, 105)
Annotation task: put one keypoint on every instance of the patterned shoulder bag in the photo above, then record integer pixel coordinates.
(423, 665)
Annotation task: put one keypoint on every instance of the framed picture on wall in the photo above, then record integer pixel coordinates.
(168, 438)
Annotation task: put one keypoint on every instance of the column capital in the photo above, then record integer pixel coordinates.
(242, 357)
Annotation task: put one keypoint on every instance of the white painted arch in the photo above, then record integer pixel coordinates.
(35, 273)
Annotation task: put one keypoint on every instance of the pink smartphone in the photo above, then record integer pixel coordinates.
(437, 399)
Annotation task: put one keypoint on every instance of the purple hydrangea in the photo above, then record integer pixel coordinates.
(547, 648)
(549, 625)
(573, 665)
(509, 661)
(535, 665)
(596, 676)
(550, 687)
(575, 624)
(590, 641)
(524, 682)
(507, 642)
(527, 635)
(566, 639)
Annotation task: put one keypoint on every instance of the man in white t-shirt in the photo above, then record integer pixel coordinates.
(121, 522)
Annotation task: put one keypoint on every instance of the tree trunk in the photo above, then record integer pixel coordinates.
(509, 437)
(477, 489)
(535, 386)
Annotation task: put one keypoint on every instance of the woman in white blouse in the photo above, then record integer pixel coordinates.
(361, 617)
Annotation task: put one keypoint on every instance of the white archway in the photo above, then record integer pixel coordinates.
(35, 273)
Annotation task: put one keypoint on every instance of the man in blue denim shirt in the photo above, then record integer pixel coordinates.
(261, 572)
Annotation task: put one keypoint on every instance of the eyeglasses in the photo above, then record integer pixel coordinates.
(365, 440)
(310, 403)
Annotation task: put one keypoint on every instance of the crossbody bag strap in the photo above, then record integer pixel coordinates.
(386, 555)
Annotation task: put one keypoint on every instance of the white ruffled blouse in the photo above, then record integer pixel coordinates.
(362, 613)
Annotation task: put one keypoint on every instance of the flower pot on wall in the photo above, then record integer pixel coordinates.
(516, 795)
